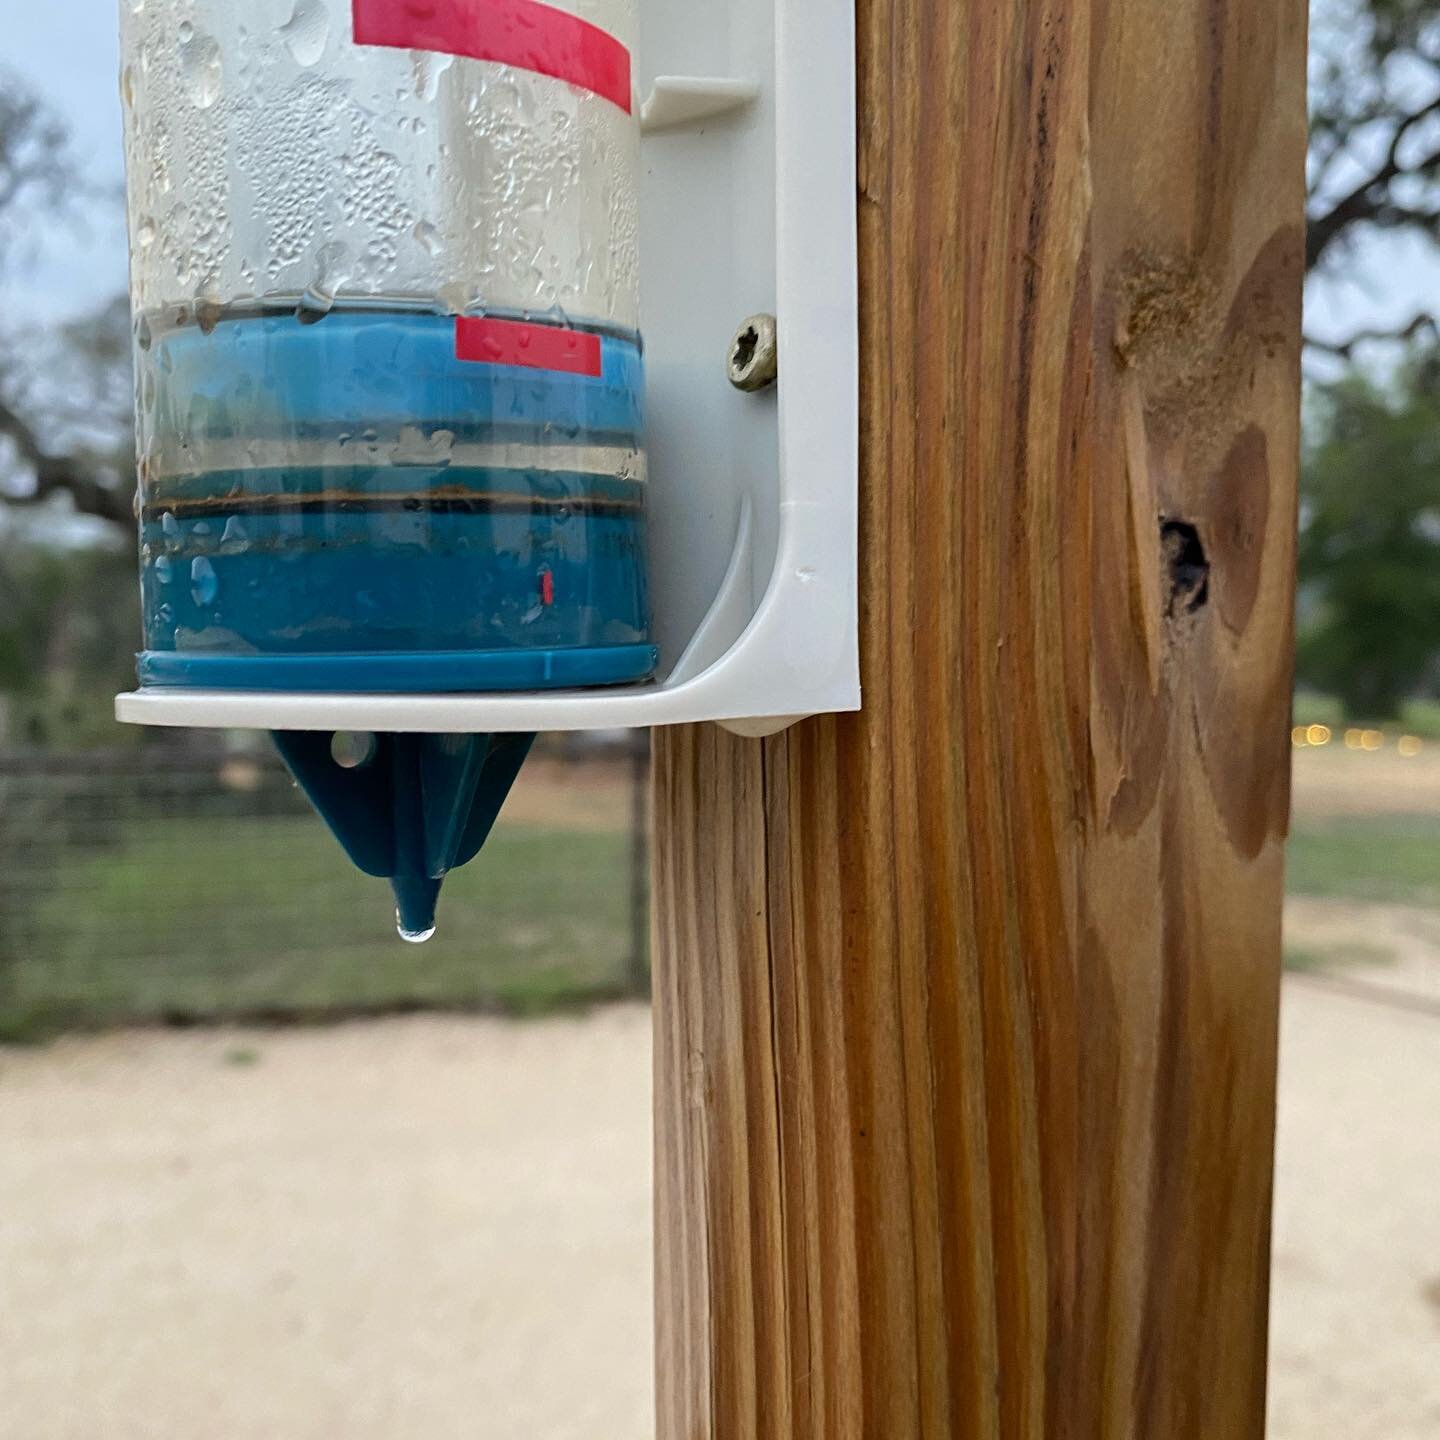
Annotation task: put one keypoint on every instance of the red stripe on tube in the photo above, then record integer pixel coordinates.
(518, 342)
(522, 33)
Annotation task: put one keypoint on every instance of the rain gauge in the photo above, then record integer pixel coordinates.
(396, 500)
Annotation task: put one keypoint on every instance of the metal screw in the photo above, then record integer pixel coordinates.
(753, 360)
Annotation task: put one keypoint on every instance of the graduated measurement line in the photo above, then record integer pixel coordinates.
(618, 462)
(523, 33)
(360, 502)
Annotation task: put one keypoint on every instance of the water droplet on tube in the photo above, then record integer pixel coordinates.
(204, 583)
(306, 31)
(314, 306)
(200, 63)
(429, 237)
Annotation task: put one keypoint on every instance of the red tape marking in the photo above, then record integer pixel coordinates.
(517, 342)
(523, 33)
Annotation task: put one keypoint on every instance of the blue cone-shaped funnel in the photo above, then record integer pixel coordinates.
(410, 810)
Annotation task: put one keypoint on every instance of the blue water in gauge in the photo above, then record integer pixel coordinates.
(346, 505)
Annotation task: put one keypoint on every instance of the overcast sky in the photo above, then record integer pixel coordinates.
(67, 49)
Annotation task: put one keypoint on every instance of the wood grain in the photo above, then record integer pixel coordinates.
(966, 1006)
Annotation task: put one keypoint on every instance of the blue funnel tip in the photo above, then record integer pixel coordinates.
(411, 808)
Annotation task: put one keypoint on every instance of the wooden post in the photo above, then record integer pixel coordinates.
(966, 1006)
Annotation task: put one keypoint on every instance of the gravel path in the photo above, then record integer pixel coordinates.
(1355, 1343)
(439, 1228)
(429, 1228)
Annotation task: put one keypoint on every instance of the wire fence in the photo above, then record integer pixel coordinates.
(184, 885)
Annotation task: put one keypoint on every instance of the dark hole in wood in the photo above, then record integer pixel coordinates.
(1187, 569)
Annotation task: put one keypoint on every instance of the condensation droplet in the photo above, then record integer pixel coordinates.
(429, 237)
(145, 233)
(170, 525)
(207, 312)
(200, 64)
(204, 583)
(331, 271)
(164, 570)
(307, 31)
(313, 306)
(427, 68)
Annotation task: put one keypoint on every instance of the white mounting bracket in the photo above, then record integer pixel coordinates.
(677, 101)
(748, 207)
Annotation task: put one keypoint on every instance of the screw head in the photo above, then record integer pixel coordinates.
(753, 360)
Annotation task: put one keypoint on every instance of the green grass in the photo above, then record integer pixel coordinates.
(1313, 709)
(1309, 959)
(1422, 718)
(265, 917)
(1391, 859)
(1417, 717)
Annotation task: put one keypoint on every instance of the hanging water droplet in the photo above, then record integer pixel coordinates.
(143, 336)
(145, 233)
(187, 32)
(169, 524)
(204, 584)
(411, 937)
(234, 533)
(164, 569)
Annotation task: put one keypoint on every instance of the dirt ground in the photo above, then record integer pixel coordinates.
(430, 1228)
(1355, 1340)
(440, 1228)
(1334, 781)
(1377, 951)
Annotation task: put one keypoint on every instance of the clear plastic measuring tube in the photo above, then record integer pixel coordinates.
(389, 376)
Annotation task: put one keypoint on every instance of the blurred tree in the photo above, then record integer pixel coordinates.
(67, 642)
(1375, 134)
(1370, 539)
(68, 619)
(64, 395)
